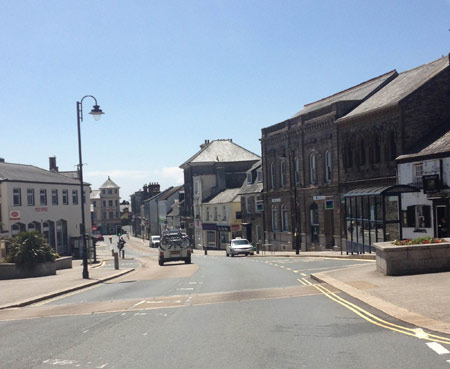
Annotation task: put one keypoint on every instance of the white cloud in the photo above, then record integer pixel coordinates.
(174, 174)
(118, 173)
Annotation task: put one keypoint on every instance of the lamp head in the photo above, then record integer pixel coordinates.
(96, 112)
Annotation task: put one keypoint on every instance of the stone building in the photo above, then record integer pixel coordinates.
(345, 142)
(252, 206)
(219, 165)
(138, 223)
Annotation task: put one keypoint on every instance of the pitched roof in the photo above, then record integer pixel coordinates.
(438, 146)
(109, 184)
(170, 191)
(358, 92)
(30, 173)
(403, 85)
(226, 196)
(220, 151)
(95, 194)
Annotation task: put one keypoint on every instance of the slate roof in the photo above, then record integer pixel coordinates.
(355, 93)
(95, 194)
(256, 187)
(439, 146)
(109, 184)
(170, 191)
(403, 85)
(30, 173)
(226, 196)
(220, 151)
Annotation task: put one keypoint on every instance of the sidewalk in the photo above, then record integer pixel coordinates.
(422, 300)
(21, 292)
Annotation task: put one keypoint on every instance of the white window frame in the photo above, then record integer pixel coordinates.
(249, 178)
(260, 176)
(417, 173)
(55, 200)
(75, 197)
(17, 197)
(65, 197)
(43, 197)
(30, 197)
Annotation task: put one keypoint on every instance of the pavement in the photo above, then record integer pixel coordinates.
(422, 300)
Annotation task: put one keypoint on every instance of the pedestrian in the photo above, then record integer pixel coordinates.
(110, 239)
(443, 227)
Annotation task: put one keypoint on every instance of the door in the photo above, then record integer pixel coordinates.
(441, 221)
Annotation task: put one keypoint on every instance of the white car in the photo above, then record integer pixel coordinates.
(174, 246)
(239, 246)
(155, 241)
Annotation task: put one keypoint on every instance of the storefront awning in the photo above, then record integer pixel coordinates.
(381, 191)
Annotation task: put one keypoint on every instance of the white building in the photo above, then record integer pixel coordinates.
(32, 198)
(106, 208)
(429, 171)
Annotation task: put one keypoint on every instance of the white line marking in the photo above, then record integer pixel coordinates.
(87, 330)
(288, 268)
(185, 289)
(304, 275)
(420, 333)
(144, 334)
(136, 314)
(295, 271)
(438, 348)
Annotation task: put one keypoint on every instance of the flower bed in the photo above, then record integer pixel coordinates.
(419, 241)
(396, 258)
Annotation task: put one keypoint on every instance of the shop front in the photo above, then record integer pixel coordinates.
(373, 215)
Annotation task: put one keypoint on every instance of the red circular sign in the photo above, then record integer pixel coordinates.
(14, 213)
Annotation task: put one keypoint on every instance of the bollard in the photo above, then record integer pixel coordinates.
(123, 254)
(112, 252)
(116, 260)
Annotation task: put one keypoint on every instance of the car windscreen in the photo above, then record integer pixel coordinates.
(240, 242)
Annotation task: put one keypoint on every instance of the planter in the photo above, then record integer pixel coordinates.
(12, 271)
(64, 262)
(412, 259)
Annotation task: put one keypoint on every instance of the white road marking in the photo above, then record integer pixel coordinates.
(288, 268)
(185, 289)
(192, 282)
(144, 334)
(438, 348)
(102, 366)
(304, 275)
(295, 271)
(123, 314)
(140, 314)
(87, 330)
(154, 302)
(420, 333)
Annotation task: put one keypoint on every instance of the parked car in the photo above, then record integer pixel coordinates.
(155, 241)
(174, 246)
(239, 246)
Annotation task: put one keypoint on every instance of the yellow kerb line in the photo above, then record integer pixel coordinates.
(372, 318)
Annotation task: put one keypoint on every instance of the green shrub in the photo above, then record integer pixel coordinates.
(29, 248)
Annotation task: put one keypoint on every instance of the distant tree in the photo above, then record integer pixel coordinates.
(30, 248)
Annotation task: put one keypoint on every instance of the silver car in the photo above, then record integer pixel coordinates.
(155, 241)
(239, 246)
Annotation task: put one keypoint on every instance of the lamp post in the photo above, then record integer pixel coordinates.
(96, 112)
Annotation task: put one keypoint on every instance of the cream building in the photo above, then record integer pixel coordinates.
(32, 198)
(105, 208)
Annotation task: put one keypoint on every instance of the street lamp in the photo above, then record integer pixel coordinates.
(96, 112)
(293, 182)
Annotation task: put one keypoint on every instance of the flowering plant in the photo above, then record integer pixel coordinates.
(419, 241)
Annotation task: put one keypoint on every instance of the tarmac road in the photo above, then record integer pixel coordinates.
(219, 312)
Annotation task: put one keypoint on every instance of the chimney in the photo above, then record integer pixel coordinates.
(204, 144)
(52, 161)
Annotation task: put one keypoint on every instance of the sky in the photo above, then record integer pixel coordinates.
(169, 74)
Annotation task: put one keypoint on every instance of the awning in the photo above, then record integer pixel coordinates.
(381, 191)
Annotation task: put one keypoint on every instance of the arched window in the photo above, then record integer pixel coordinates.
(297, 171)
(272, 175)
(284, 219)
(275, 218)
(328, 166)
(314, 217)
(348, 155)
(312, 169)
(282, 173)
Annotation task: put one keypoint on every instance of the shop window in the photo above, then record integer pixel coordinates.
(418, 216)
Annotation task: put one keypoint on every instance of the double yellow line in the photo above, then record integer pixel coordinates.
(417, 333)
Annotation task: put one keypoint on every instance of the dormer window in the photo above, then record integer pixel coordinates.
(259, 175)
(249, 178)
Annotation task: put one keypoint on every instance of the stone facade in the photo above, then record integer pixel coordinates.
(344, 142)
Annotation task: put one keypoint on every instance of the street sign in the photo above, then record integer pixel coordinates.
(317, 197)
(329, 204)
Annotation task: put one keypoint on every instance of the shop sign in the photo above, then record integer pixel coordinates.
(329, 204)
(209, 226)
(317, 198)
(431, 183)
(259, 206)
(40, 209)
(276, 200)
(223, 228)
(14, 215)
